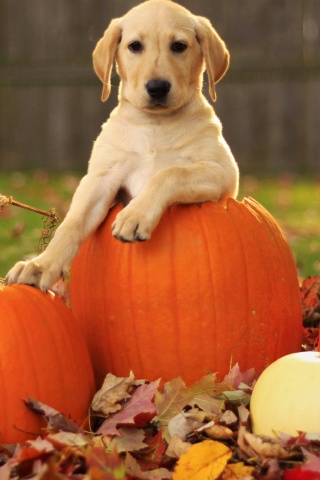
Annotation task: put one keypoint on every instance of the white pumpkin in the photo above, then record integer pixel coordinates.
(286, 397)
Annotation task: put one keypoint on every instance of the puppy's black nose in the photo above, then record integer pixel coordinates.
(158, 89)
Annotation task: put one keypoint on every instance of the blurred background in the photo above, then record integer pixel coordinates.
(268, 102)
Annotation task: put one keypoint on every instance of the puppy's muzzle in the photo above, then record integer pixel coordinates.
(158, 89)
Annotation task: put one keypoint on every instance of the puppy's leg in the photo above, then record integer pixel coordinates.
(89, 207)
(200, 182)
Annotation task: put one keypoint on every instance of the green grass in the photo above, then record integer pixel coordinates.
(20, 230)
(293, 201)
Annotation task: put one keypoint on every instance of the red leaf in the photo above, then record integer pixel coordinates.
(138, 411)
(152, 457)
(300, 474)
(33, 449)
(104, 466)
(134, 470)
(310, 299)
(310, 338)
(235, 377)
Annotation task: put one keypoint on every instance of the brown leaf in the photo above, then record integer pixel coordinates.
(216, 431)
(113, 391)
(133, 469)
(177, 447)
(263, 448)
(211, 406)
(55, 419)
(130, 440)
(104, 466)
(138, 410)
(176, 396)
(237, 471)
(64, 439)
(229, 418)
(102, 441)
(186, 422)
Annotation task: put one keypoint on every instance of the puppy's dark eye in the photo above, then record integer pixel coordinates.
(178, 47)
(135, 47)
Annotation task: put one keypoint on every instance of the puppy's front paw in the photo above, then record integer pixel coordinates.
(132, 225)
(34, 273)
(15, 272)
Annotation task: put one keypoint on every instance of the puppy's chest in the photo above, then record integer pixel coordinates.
(156, 145)
(151, 149)
(147, 163)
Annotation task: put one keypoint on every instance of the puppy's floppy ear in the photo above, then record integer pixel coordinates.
(215, 53)
(104, 53)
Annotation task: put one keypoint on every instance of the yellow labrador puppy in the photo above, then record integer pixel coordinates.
(161, 145)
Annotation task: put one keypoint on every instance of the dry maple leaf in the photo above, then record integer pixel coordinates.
(55, 419)
(186, 422)
(204, 394)
(216, 431)
(67, 439)
(176, 396)
(130, 440)
(236, 471)
(113, 391)
(206, 385)
(177, 447)
(133, 469)
(103, 465)
(260, 447)
(229, 418)
(138, 410)
(153, 456)
(235, 377)
(203, 461)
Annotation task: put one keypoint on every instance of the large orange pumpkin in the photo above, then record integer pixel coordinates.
(42, 355)
(212, 287)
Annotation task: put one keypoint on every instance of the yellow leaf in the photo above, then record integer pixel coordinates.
(204, 461)
(236, 471)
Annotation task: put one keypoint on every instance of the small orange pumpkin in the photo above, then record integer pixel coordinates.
(213, 286)
(42, 355)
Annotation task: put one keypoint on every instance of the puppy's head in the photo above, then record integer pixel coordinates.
(161, 51)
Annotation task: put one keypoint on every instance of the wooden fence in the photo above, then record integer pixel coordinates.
(269, 101)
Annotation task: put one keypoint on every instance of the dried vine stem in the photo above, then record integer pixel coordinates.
(50, 220)
(10, 201)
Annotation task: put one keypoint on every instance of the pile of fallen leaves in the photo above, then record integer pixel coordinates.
(148, 430)
(139, 430)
